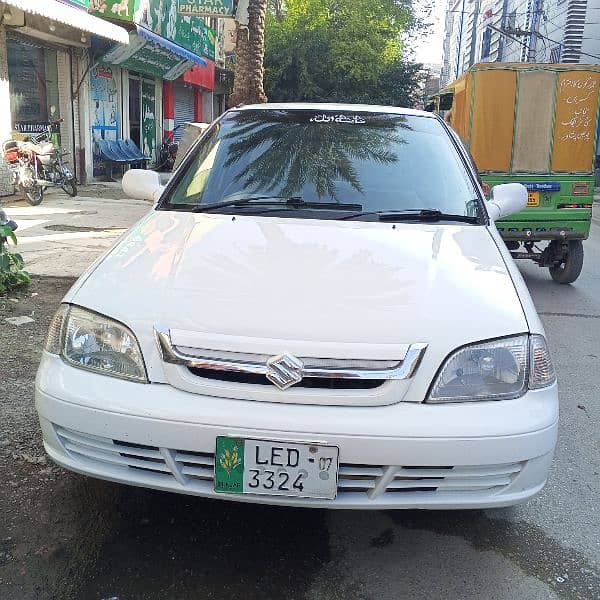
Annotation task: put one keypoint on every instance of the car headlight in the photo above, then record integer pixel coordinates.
(87, 340)
(496, 370)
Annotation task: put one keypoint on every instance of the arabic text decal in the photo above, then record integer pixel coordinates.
(341, 118)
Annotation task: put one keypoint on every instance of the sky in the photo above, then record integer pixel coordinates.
(429, 49)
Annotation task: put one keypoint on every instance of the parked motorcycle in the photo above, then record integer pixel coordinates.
(167, 152)
(36, 164)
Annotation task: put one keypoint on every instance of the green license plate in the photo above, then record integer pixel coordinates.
(275, 468)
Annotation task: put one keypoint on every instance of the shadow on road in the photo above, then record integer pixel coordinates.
(163, 545)
(143, 544)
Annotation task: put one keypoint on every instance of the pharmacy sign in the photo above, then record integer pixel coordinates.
(199, 8)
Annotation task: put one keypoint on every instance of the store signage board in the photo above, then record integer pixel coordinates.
(37, 127)
(145, 57)
(155, 61)
(162, 17)
(210, 8)
(122, 10)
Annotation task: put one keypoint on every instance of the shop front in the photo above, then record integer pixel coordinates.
(185, 101)
(134, 101)
(189, 99)
(202, 79)
(126, 104)
(149, 94)
(33, 84)
(43, 48)
(105, 110)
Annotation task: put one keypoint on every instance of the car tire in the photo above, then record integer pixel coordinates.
(569, 270)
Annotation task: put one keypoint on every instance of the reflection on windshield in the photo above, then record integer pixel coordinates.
(317, 154)
(381, 161)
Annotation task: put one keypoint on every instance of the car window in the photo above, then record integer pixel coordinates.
(378, 160)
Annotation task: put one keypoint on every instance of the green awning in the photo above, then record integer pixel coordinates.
(143, 56)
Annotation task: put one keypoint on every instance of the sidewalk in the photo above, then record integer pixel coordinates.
(63, 235)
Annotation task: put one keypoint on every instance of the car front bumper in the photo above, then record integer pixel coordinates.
(406, 455)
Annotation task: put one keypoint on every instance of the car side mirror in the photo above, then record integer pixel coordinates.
(142, 184)
(506, 199)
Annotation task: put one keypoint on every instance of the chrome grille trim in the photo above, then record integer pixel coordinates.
(309, 362)
(401, 370)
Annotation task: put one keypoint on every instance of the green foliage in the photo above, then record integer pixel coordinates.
(341, 50)
(11, 263)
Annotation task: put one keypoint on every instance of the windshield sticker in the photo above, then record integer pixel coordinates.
(325, 118)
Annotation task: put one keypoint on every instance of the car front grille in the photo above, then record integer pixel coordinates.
(309, 382)
(330, 383)
(194, 470)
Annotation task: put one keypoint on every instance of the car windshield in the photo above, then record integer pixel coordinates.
(308, 160)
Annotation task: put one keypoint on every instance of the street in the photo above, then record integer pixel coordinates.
(64, 536)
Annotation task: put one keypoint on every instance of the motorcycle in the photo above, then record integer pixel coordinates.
(36, 164)
(167, 152)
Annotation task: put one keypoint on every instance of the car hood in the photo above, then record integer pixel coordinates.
(350, 284)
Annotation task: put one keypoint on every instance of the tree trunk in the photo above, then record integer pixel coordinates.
(249, 55)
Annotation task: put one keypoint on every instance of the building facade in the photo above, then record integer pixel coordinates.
(106, 69)
(44, 52)
(519, 31)
(147, 89)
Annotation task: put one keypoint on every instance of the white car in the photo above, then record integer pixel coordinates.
(318, 311)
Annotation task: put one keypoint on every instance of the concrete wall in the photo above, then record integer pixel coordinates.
(207, 106)
(6, 186)
(82, 124)
(67, 106)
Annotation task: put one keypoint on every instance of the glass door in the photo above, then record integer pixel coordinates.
(135, 111)
(142, 114)
(148, 118)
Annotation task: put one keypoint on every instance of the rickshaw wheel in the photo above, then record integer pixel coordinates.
(570, 269)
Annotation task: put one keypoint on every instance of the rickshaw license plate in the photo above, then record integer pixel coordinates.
(533, 199)
(247, 466)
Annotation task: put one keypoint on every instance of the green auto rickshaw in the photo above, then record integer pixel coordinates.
(533, 124)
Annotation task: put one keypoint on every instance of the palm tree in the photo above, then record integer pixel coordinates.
(249, 56)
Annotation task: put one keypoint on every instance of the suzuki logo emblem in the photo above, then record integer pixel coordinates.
(284, 370)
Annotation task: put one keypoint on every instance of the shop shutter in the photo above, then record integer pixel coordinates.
(184, 107)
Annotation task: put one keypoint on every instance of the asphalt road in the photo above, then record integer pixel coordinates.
(77, 538)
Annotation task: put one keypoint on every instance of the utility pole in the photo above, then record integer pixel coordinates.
(502, 26)
(460, 37)
(534, 30)
(474, 32)
(425, 95)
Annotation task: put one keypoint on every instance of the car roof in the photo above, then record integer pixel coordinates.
(334, 106)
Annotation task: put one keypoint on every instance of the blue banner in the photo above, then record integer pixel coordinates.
(542, 186)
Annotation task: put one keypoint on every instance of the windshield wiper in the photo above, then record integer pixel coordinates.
(285, 202)
(418, 214)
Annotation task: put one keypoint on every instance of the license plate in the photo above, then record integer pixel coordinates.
(533, 199)
(272, 468)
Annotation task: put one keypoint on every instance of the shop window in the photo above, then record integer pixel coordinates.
(33, 79)
(486, 43)
(555, 53)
